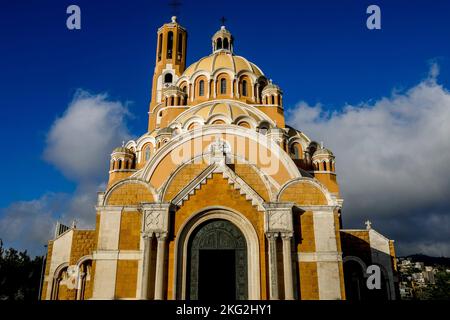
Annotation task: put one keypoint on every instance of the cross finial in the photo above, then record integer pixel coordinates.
(223, 20)
(175, 4)
(368, 225)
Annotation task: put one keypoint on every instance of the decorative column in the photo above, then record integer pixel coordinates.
(146, 265)
(156, 221)
(287, 266)
(160, 266)
(278, 220)
(273, 268)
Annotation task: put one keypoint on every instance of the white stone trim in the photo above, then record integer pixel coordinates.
(331, 256)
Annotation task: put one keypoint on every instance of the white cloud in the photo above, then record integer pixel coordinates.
(78, 144)
(28, 224)
(393, 160)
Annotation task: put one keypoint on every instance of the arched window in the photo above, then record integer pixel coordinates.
(295, 151)
(168, 78)
(331, 166)
(219, 43)
(273, 100)
(201, 88)
(172, 101)
(225, 43)
(147, 153)
(223, 86)
(160, 47)
(279, 100)
(244, 124)
(169, 44)
(180, 46)
(244, 88)
(159, 116)
(119, 165)
(324, 166)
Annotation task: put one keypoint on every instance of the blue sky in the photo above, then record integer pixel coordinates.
(317, 51)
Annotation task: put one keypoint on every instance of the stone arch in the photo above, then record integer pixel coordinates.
(354, 278)
(357, 260)
(193, 120)
(56, 279)
(185, 232)
(84, 265)
(193, 143)
(244, 118)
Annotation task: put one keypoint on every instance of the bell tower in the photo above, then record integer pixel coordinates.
(170, 62)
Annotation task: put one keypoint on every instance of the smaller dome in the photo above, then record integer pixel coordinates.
(323, 152)
(271, 85)
(222, 32)
(122, 150)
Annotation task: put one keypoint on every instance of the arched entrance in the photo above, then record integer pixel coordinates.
(184, 238)
(217, 262)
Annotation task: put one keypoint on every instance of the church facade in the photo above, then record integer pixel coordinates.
(219, 199)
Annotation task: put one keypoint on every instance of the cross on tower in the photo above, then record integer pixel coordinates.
(223, 20)
(175, 4)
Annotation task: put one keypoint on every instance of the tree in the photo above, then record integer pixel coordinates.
(19, 275)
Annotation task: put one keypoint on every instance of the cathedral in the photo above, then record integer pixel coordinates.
(220, 199)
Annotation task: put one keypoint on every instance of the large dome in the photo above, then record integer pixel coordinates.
(222, 60)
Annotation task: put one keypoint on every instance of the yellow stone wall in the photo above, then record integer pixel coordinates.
(117, 176)
(47, 269)
(253, 179)
(393, 255)
(329, 180)
(303, 193)
(183, 178)
(130, 194)
(65, 293)
(309, 287)
(304, 232)
(126, 279)
(130, 230)
(83, 243)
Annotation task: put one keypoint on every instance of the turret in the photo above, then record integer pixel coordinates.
(122, 164)
(222, 40)
(324, 169)
(272, 95)
(323, 160)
